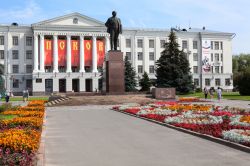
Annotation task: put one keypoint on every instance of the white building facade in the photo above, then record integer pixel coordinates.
(65, 54)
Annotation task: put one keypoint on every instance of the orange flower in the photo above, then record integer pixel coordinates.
(245, 118)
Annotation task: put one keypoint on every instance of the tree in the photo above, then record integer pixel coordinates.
(172, 69)
(130, 81)
(145, 82)
(243, 82)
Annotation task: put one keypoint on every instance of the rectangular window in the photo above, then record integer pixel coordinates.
(196, 82)
(195, 56)
(221, 57)
(216, 45)
(140, 56)
(128, 43)
(217, 68)
(152, 69)
(195, 69)
(212, 57)
(195, 45)
(207, 82)
(212, 69)
(140, 69)
(14, 54)
(15, 83)
(217, 82)
(29, 69)
(221, 45)
(217, 57)
(151, 56)
(227, 82)
(1, 54)
(15, 69)
(151, 43)
(128, 54)
(162, 43)
(139, 43)
(29, 84)
(184, 44)
(29, 54)
(221, 69)
(212, 45)
(28, 41)
(1, 40)
(15, 40)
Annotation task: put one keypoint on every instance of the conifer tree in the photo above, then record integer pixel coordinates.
(172, 69)
(130, 75)
(145, 82)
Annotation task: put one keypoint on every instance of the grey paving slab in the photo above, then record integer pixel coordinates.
(97, 136)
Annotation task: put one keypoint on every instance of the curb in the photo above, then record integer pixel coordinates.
(41, 150)
(208, 137)
(57, 101)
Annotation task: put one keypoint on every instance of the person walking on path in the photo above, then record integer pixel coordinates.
(25, 95)
(7, 96)
(211, 92)
(219, 93)
(205, 92)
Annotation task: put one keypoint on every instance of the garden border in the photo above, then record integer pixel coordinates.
(41, 150)
(208, 137)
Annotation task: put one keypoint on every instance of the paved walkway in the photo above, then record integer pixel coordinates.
(97, 136)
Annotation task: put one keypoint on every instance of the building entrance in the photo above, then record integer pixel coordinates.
(62, 85)
(75, 85)
(88, 85)
(48, 86)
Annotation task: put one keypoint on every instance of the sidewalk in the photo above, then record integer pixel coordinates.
(95, 135)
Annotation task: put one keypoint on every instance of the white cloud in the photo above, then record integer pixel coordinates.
(25, 14)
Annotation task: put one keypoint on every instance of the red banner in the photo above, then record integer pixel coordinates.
(62, 52)
(48, 52)
(100, 52)
(75, 52)
(88, 52)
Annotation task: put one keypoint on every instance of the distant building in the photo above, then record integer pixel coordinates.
(65, 54)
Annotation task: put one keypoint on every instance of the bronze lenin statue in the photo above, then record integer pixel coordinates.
(114, 29)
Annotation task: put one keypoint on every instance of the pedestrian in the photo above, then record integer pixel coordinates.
(25, 95)
(7, 96)
(211, 92)
(219, 92)
(205, 92)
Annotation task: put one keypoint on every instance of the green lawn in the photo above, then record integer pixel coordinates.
(225, 95)
(7, 117)
(30, 98)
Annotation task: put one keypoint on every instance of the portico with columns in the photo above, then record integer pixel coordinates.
(67, 78)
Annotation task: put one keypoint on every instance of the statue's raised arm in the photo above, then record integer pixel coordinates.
(114, 29)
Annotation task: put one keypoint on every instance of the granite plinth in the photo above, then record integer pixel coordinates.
(164, 93)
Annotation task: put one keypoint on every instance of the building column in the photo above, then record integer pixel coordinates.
(69, 54)
(94, 55)
(82, 84)
(107, 44)
(82, 70)
(35, 54)
(55, 54)
(42, 53)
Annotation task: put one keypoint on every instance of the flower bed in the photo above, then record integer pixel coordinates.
(205, 119)
(20, 136)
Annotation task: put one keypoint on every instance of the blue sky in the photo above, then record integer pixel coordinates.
(220, 15)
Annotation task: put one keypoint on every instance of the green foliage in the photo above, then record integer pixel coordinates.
(173, 68)
(130, 75)
(241, 64)
(145, 82)
(243, 83)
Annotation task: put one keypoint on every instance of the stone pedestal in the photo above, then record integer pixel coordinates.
(163, 93)
(114, 73)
